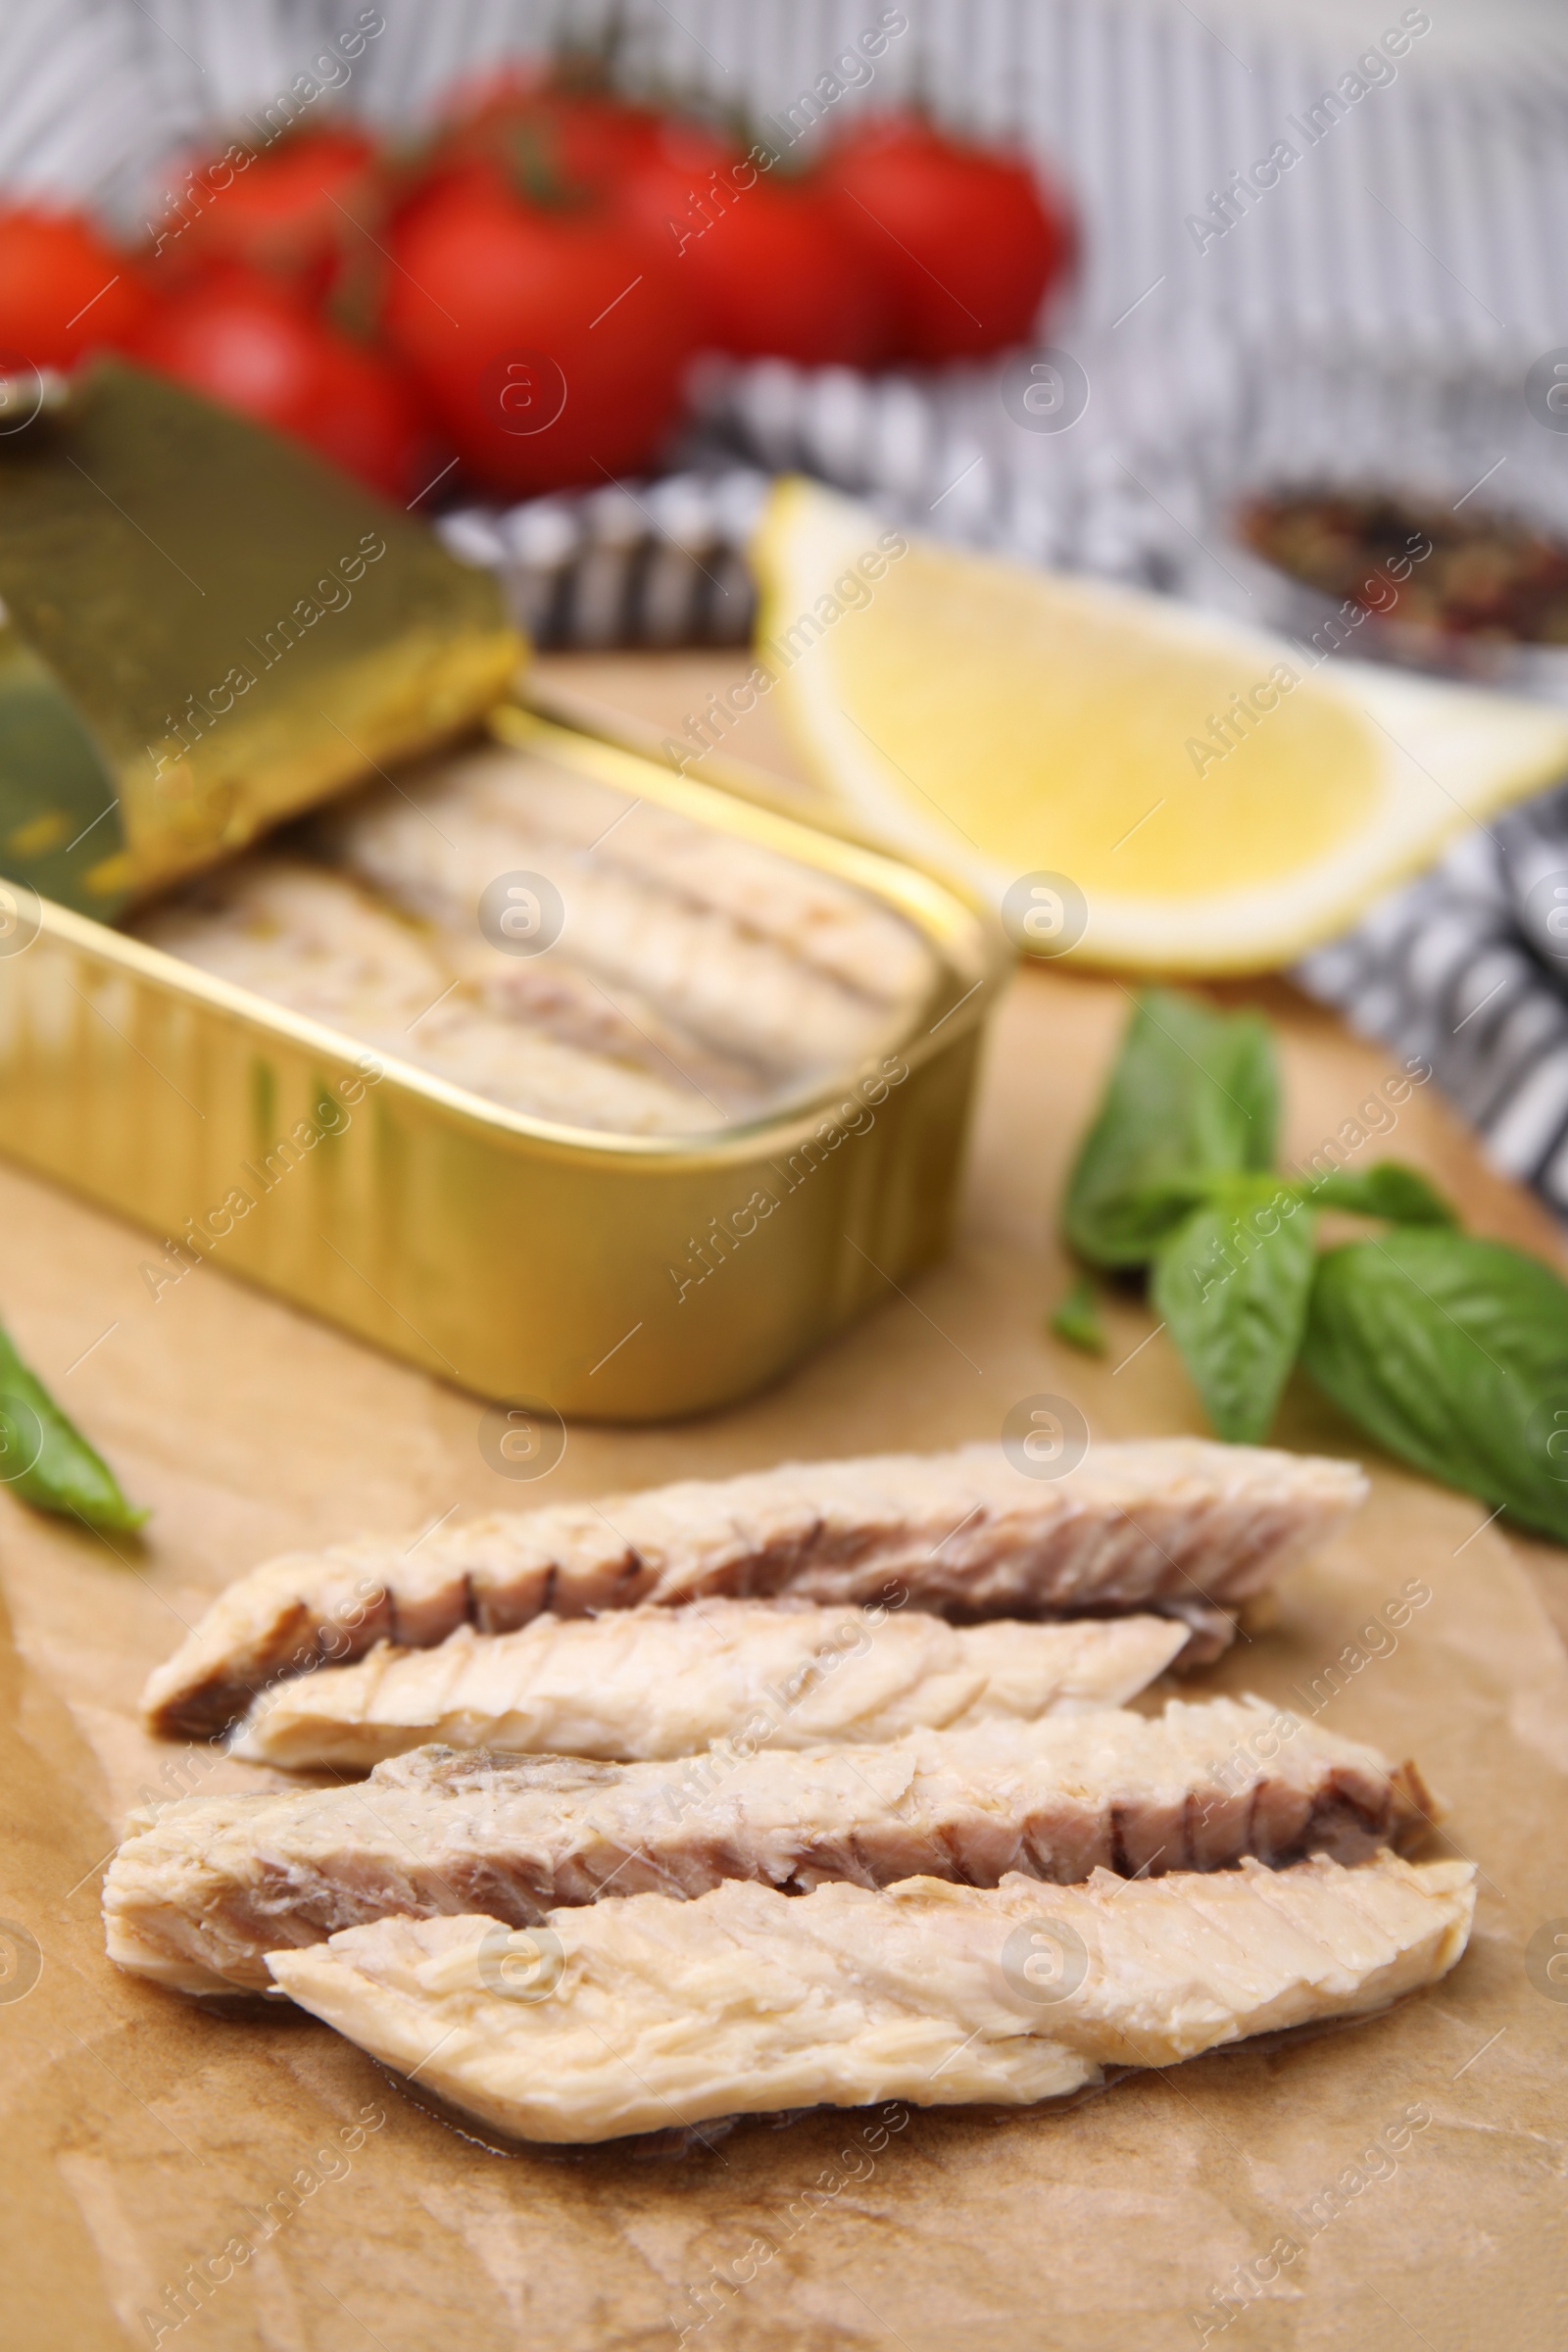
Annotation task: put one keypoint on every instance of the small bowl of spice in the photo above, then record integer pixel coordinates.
(1481, 596)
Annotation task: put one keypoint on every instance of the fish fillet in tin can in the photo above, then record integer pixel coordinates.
(593, 1089)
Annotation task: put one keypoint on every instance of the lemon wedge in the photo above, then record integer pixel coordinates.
(1127, 780)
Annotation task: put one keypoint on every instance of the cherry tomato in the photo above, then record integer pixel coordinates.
(969, 241)
(289, 211)
(783, 279)
(599, 137)
(362, 416)
(550, 140)
(252, 347)
(550, 342)
(769, 265)
(63, 290)
(659, 189)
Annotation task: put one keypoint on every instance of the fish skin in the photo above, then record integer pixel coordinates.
(747, 953)
(827, 923)
(700, 981)
(204, 1887)
(315, 942)
(965, 1534)
(749, 2001)
(643, 1683)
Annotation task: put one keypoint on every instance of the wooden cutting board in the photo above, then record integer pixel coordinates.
(1412, 2162)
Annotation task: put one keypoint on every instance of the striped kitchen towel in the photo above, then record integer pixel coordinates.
(1467, 969)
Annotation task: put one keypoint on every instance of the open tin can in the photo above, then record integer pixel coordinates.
(560, 1270)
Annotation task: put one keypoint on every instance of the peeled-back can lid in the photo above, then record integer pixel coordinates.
(205, 630)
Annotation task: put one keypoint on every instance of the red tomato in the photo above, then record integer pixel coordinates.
(63, 290)
(551, 344)
(658, 190)
(550, 140)
(769, 265)
(288, 212)
(249, 345)
(362, 416)
(968, 241)
(782, 278)
(599, 137)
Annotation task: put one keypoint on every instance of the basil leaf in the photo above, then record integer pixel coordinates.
(1194, 1092)
(1077, 1319)
(1388, 1189)
(1232, 1284)
(46, 1460)
(1452, 1353)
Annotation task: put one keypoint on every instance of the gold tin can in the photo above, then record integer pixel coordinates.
(608, 1277)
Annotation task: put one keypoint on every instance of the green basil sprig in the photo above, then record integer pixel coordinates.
(1076, 1319)
(1191, 1094)
(45, 1458)
(1451, 1352)
(1454, 1353)
(1386, 1188)
(1231, 1285)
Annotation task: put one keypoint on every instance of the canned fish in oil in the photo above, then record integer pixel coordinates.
(578, 1083)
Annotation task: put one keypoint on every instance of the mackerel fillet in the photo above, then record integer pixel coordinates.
(1171, 1525)
(640, 1683)
(201, 1889)
(642, 2014)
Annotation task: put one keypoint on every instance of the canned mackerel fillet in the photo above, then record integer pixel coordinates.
(593, 1089)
